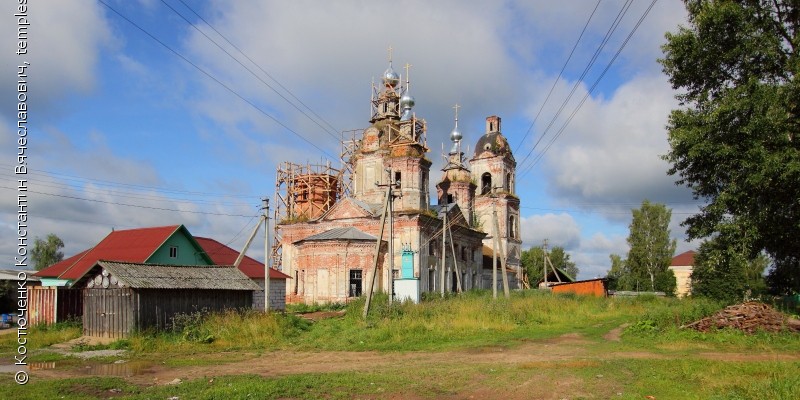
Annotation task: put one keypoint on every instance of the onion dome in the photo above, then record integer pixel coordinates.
(456, 135)
(407, 101)
(493, 142)
(390, 78)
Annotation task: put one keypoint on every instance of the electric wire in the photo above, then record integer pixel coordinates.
(555, 81)
(614, 25)
(228, 88)
(127, 205)
(258, 66)
(324, 129)
(589, 92)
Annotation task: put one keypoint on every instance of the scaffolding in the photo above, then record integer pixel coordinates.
(302, 192)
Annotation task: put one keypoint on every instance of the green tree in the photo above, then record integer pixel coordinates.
(533, 262)
(47, 252)
(618, 276)
(719, 271)
(734, 140)
(651, 249)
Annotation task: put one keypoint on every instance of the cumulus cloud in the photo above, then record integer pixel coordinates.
(560, 230)
(64, 40)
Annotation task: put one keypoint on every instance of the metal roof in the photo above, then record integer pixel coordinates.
(224, 255)
(348, 233)
(13, 275)
(150, 276)
(131, 245)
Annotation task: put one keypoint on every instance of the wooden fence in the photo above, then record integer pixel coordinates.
(48, 304)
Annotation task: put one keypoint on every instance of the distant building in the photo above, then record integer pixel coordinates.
(327, 236)
(682, 266)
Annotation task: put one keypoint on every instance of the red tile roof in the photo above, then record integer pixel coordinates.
(131, 245)
(684, 259)
(224, 255)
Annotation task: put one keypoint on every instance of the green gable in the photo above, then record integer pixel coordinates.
(180, 249)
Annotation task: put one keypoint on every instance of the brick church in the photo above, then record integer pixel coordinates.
(328, 242)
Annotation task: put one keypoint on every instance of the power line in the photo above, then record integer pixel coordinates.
(614, 25)
(258, 66)
(101, 182)
(248, 69)
(555, 81)
(206, 73)
(590, 91)
(127, 205)
(116, 193)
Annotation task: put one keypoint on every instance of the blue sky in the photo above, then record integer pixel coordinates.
(117, 119)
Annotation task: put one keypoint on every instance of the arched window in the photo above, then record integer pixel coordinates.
(512, 227)
(508, 183)
(486, 183)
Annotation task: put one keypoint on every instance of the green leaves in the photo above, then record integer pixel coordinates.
(735, 141)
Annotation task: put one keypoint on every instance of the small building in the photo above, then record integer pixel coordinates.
(682, 266)
(591, 287)
(121, 298)
(254, 269)
(56, 300)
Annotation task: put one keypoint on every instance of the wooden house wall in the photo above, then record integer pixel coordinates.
(109, 312)
(157, 307)
(116, 313)
(48, 304)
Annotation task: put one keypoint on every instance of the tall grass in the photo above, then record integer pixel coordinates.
(39, 336)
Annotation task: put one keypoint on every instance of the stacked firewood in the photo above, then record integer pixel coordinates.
(748, 317)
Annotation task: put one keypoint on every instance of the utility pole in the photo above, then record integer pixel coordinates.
(544, 262)
(459, 288)
(267, 258)
(444, 245)
(494, 250)
(496, 244)
(390, 274)
(377, 253)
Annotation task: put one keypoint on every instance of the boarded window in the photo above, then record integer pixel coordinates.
(355, 283)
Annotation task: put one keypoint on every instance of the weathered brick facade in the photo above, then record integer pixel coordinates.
(330, 257)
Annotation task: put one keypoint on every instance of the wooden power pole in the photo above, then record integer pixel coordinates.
(377, 253)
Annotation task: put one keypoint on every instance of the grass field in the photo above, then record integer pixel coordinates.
(534, 345)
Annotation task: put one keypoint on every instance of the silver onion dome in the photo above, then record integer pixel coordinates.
(407, 101)
(390, 78)
(455, 135)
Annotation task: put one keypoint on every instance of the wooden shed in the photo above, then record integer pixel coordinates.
(120, 298)
(592, 287)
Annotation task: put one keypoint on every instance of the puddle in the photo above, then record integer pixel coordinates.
(130, 368)
(126, 369)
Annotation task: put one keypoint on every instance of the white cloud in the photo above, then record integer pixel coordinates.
(559, 229)
(64, 40)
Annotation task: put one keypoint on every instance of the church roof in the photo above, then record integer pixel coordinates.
(493, 142)
(348, 233)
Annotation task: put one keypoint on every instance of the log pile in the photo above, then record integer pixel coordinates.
(748, 317)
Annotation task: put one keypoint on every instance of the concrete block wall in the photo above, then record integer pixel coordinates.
(277, 295)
